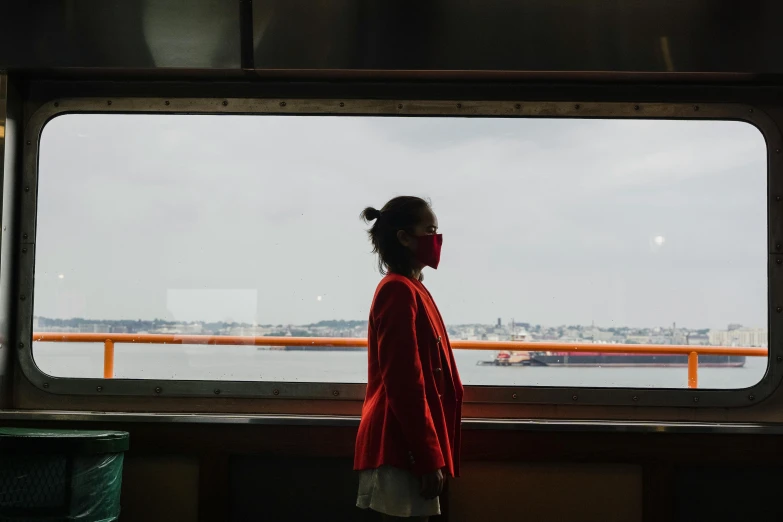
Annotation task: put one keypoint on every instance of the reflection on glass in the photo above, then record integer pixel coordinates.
(572, 232)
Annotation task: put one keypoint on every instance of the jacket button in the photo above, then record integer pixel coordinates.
(437, 369)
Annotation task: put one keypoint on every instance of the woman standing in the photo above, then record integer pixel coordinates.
(409, 436)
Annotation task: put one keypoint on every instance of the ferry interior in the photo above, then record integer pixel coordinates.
(182, 259)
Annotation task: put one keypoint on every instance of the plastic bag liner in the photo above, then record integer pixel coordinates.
(48, 475)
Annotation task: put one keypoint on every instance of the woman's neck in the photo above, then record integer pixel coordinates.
(412, 274)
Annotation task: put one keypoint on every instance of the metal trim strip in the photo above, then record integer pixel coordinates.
(352, 421)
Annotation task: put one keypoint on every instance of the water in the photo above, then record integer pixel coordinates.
(247, 363)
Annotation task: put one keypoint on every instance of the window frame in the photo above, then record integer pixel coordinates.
(663, 397)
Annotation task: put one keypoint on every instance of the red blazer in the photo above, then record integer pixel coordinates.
(413, 407)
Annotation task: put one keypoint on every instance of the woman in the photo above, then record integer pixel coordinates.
(409, 435)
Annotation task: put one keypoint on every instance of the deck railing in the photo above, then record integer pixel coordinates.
(109, 340)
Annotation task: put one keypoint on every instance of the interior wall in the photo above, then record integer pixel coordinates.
(268, 487)
(213, 472)
(293, 488)
(521, 491)
(160, 488)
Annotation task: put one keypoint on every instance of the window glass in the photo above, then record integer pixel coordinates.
(556, 231)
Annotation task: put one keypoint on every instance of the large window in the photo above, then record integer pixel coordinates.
(560, 232)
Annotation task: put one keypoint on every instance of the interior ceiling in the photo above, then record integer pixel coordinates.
(647, 36)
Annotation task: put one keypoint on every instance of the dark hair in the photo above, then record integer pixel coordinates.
(400, 213)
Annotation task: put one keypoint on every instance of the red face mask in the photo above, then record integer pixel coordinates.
(428, 249)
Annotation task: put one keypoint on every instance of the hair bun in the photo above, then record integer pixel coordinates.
(371, 214)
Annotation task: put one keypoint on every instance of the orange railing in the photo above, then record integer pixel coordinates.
(109, 340)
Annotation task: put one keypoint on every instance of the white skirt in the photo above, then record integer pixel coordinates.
(394, 492)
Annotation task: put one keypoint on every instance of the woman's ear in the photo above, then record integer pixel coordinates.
(404, 239)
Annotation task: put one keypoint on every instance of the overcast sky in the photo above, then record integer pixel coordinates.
(255, 218)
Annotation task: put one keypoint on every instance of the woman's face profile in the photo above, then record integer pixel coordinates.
(426, 226)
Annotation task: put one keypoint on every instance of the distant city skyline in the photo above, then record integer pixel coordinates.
(364, 322)
(733, 335)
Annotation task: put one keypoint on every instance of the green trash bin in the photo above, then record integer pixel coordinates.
(48, 475)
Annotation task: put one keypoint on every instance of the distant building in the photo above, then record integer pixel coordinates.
(599, 335)
(519, 334)
(698, 339)
(249, 331)
(92, 328)
(58, 329)
(736, 335)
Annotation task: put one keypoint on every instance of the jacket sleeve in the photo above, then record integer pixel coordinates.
(401, 373)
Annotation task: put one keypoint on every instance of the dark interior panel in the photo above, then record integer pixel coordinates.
(293, 488)
(739, 492)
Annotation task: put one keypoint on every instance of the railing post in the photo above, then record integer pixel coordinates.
(693, 370)
(108, 359)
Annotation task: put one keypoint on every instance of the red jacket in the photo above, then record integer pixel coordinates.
(413, 407)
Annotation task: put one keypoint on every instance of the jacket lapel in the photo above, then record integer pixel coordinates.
(436, 323)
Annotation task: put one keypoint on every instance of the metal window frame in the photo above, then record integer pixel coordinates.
(663, 397)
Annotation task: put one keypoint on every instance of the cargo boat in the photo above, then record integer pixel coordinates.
(587, 359)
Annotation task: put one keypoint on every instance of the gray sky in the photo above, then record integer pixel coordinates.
(252, 218)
